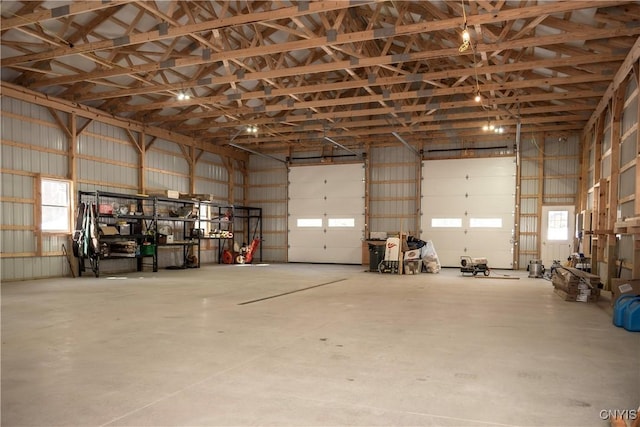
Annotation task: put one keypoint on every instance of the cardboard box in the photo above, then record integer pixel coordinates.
(108, 230)
(165, 239)
(172, 194)
(624, 287)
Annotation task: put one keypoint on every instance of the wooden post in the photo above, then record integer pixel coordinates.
(616, 126)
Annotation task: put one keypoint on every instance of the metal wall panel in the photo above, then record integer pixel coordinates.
(529, 187)
(166, 161)
(529, 206)
(163, 181)
(267, 189)
(627, 182)
(529, 167)
(628, 148)
(606, 138)
(395, 175)
(630, 115)
(606, 166)
(628, 210)
(17, 214)
(91, 170)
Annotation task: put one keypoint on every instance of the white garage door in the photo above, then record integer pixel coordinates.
(326, 213)
(468, 209)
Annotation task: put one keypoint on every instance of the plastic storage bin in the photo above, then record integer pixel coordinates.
(620, 307)
(632, 316)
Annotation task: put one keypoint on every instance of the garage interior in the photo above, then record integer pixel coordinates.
(194, 194)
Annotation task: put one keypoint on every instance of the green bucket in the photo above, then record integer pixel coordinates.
(147, 249)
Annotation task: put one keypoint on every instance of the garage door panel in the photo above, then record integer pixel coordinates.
(444, 186)
(490, 185)
(306, 192)
(343, 188)
(339, 195)
(311, 208)
(304, 254)
(487, 191)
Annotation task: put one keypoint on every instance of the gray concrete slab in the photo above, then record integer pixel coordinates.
(179, 348)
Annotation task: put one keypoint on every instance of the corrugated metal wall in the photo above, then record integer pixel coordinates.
(32, 144)
(549, 175)
(394, 175)
(267, 189)
(106, 159)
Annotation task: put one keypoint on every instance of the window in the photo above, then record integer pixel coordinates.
(309, 222)
(485, 223)
(558, 225)
(204, 215)
(446, 222)
(56, 205)
(342, 222)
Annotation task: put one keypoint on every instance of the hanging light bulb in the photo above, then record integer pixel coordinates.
(466, 38)
(477, 98)
(252, 129)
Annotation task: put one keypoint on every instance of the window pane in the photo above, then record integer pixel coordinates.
(485, 222)
(55, 218)
(309, 222)
(204, 215)
(446, 222)
(55, 205)
(342, 222)
(558, 225)
(55, 192)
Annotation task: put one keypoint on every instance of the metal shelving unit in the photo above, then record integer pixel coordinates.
(125, 229)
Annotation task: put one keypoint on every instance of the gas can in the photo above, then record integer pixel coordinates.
(620, 306)
(632, 316)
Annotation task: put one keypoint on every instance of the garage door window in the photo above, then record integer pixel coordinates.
(309, 222)
(342, 222)
(446, 222)
(485, 222)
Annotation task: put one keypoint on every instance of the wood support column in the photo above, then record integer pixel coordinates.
(617, 109)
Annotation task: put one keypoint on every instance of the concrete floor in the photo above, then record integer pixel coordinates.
(179, 348)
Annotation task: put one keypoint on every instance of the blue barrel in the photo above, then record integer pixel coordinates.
(620, 307)
(632, 316)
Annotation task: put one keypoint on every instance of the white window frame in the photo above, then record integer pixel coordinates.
(67, 206)
(551, 221)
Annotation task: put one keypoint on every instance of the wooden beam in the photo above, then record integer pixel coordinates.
(617, 110)
(187, 30)
(621, 75)
(384, 81)
(337, 65)
(75, 8)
